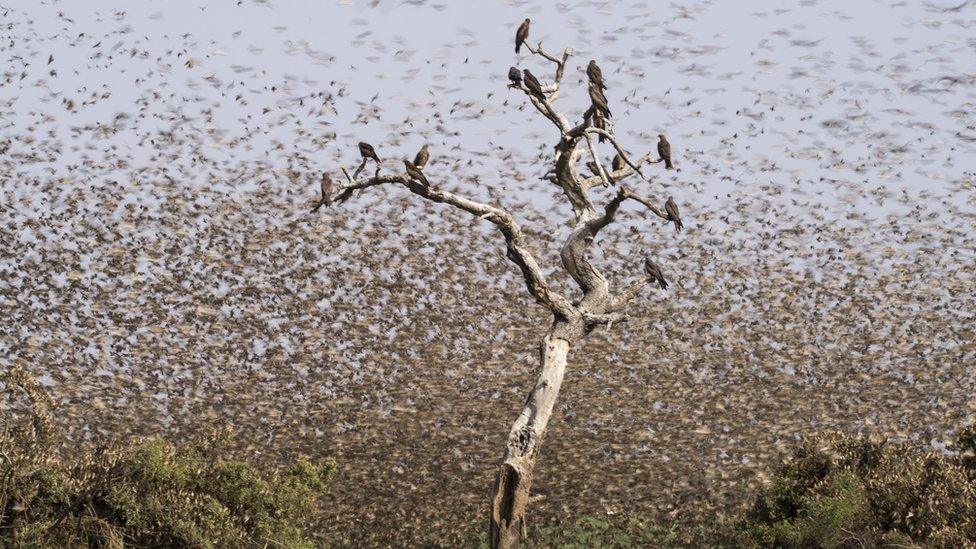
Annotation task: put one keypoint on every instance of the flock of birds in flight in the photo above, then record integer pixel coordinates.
(151, 241)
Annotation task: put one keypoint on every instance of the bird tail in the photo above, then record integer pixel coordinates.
(668, 164)
(517, 46)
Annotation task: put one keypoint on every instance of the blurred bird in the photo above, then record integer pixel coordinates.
(368, 152)
(326, 188)
(532, 83)
(618, 162)
(514, 75)
(672, 209)
(664, 151)
(654, 272)
(521, 34)
(415, 173)
(595, 74)
(422, 156)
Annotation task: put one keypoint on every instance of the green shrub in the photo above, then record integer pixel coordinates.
(148, 494)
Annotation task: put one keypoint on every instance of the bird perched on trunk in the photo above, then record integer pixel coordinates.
(599, 101)
(423, 155)
(521, 34)
(532, 83)
(415, 173)
(664, 151)
(326, 187)
(595, 74)
(672, 209)
(514, 75)
(654, 272)
(368, 152)
(618, 162)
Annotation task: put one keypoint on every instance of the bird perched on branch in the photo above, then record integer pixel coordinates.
(593, 167)
(672, 209)
(599, 101)
(532, 83)
(368, 152)
(521, 34)
(664, 151)
(654, 272)
(595, 74)
(423, 155)
(326, 187)
(618, 162)
(514, 75)
(415, 173)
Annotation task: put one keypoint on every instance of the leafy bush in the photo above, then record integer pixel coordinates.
(148, 494)
(842, 491)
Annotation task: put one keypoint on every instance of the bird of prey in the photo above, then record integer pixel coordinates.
(368, 152)
(326, 188)
(514, 75)
(521, 34)
(618, 162)
(593, 167)
(422, 156)
(595, 74)
(654, 272)
(415, 173)
(672, 209)
(532, 83)
(664, 151)
(599, 101)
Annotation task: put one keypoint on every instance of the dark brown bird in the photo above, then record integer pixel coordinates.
(532, 83)
(514, 75)
(595, 74)
(672, 209)
(415, 173)
(368, 152)
(618, 162)
(599, 101)
(664, 151)
(654, 272)
(521, 34)
(423, 155)
(326, 188)
(600, 122)
(593, 167)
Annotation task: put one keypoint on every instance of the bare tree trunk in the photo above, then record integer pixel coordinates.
(514, 479)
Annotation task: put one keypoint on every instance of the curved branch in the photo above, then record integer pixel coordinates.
(626, 171)
(517, 252)
(616, 145)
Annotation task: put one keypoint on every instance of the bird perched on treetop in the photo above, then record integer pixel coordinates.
(514, 75)
(326, 189)
(368, 152)
(423, 155)
(672, 209)
(595, 74)
(654, 272)
(521, 34)
(532, 83)
(415, 173)
(664, 151)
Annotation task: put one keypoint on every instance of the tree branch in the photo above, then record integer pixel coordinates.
(622, 173)
(517, 252)
(616, 145)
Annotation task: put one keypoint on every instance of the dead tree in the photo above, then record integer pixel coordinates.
(572, 319)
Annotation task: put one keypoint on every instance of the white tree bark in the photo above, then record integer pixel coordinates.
(514, 480)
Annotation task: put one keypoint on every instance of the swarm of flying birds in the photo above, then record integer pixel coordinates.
(160, 270)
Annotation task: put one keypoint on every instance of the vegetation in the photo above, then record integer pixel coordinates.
(148, 494)
(834, 490)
